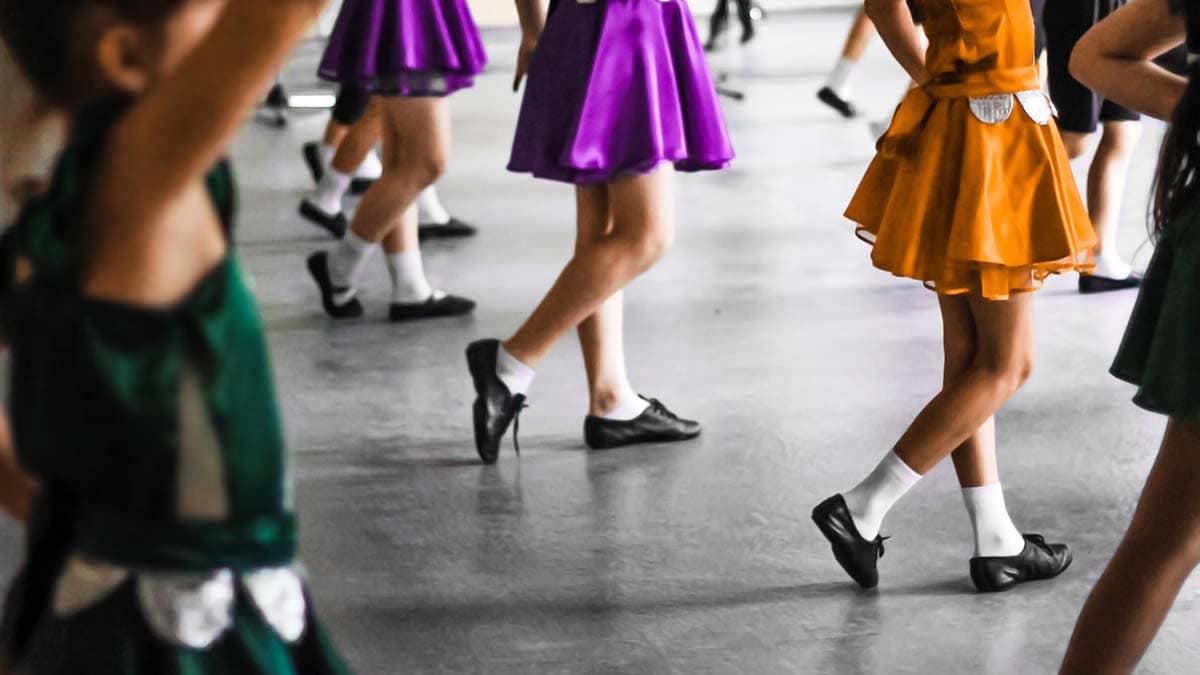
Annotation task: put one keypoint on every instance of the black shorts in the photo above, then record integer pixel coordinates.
(1062, 23)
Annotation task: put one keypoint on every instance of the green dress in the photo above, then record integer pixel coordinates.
(1161, 349)
(164, 538)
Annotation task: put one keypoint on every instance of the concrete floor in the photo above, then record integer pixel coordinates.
(767, 323)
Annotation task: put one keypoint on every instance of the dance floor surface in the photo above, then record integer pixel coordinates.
(767, 323)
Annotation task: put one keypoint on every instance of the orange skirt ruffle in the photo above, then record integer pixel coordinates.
(970, 207)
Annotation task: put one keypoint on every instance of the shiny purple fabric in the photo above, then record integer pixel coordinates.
(404, 47)
(616, 88)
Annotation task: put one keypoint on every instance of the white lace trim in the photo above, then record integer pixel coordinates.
(190, 609)
(997, 108)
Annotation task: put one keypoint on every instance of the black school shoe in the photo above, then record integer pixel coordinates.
(495, 407)
(830, 98)
(333, 223)
(452, 229)
(318, 267)
(1037, 561)
(656, 424)
(856, 555)
(1091, 283)
(436, 306)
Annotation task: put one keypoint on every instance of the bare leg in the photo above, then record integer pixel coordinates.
(403, 237)
(359, 139)
(643, 226)
(975, 459)
(416, 142)
(1160, 550)
(600, 335)
(861, 32)
(1106, 180)
(335, 132)
(1002, 362)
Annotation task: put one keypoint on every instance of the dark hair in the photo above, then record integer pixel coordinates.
(47, 39)
(1177, 178)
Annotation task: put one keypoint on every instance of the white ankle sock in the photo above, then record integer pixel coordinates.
(347, 262)
(870, 500)
(629, 407)
(330, 190)
(1110, 265)
(995, 534)
(839, 77)
(409, 284)
(513, 373)
(429, 208)
(371, 168)
(326, 154)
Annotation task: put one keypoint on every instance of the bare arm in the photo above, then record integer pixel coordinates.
(154, 235)
(17, 489)
(894, 22)
(533, 19)
(1115, 58)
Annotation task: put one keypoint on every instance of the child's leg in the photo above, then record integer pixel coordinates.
(404, 263)
(1106, 189)
(353, 149)
(836, 91)
(601, 334)
(1003, 361)
(416, 140)
(1156, 556)
(870, 500)
(643, 227)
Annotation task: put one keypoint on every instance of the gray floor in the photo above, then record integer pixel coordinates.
(768, 323)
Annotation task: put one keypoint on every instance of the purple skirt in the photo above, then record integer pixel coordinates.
(616, 88)
(404, 47)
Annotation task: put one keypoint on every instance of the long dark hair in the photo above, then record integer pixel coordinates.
(1177, 178)
(49, 39)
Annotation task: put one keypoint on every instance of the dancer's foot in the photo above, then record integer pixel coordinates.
(858, 556)
(1094, 283)
(318, 267)
(831, 98)
(333, 223)
(452, 229)
(1038, 561)
(656, 424)
(747, 33)
(439, 304)
(495, 407)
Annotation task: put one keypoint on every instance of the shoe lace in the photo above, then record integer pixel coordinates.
(520, 405)
(658, 407)
(879, 542)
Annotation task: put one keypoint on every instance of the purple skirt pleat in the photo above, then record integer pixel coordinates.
(616, 88)
(404, 47)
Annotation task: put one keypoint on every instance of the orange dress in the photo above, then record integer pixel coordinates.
(971, 189)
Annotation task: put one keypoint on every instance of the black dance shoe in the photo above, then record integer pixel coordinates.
(1037, 561)
(451, 229)
(656, 424)
(359, 186)
(495, 407)
(859, 557)
(318, 267)
(1092, 283)
(830, 98)
(333, 223)
(445, 305)
(312, 158)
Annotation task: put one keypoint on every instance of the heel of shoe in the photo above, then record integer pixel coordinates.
(991, 577)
